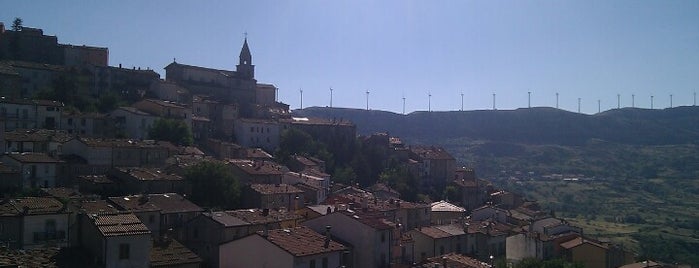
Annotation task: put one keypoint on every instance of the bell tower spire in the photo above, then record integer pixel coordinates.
(245, 67)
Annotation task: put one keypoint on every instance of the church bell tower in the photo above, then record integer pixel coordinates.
(245, 67)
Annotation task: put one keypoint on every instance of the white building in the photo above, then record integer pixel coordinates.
(260, 133)
(37, 169)
(292, 247)
(133, 122)
(369, 235)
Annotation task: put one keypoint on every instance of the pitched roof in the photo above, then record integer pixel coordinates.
(301, 241)
(119, 224)
(579, 241)
(455, 260)
(225, 219)
(32, 206)
(257, 167)
(149, 174)
(257, 216)
(166, 203)
(433, 232)
(33, 158)
(444, 206)
(36, 135)
(95, 206)
(267, 189)
(169, 253)
(373, 220)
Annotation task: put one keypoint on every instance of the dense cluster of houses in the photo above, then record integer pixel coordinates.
(111, 197)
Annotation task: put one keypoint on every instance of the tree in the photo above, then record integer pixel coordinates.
(17, 24)
(172, 130)
(213, 185)
(294, 141)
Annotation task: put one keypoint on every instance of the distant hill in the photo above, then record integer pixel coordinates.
(541, 125)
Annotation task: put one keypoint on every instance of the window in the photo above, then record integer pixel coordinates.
(124, 251)
(325, 262)
(383, 237)
(70, 121)
(82, 121)
(441, 250)
(151, 219)
(312, 264)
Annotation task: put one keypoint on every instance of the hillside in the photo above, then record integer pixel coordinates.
(638, 168)
(529, 126)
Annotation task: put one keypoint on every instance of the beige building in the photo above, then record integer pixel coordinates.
(260, 133)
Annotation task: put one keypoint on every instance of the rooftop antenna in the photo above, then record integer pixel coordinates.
(331, 97)
(529, 99)
(367, 100)
(494, 101)
(403, 104)
(599, 105)
(556, 100)
(578, 105)
(651, 102)
(429, 101)
(618, 101)
(301, 91)
(670, 100)
(462, 100)
(633, 101)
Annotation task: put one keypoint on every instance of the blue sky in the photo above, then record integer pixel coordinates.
(591, 50)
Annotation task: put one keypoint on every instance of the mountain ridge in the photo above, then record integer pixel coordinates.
(538, 125)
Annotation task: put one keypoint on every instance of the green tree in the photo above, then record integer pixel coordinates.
(172, 130)
(294, 141)
(213, 185)
(17, 24)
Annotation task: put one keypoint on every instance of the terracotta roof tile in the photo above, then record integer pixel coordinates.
(33, 158)
(302, 241)
(166, 203)
(170, 253)
(119, 224)
(267, 189)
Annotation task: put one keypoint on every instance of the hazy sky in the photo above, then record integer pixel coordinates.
(580, 49)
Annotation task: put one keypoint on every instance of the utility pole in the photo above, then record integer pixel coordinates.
(556, 100)
(651, 102)
(494, 101)
(618, 101)
(301, 91)
(331, 97)
(529, 99)
(367, 100)
(578, 105)
(462, 101)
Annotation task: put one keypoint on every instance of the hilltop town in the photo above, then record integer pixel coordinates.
(106, 166)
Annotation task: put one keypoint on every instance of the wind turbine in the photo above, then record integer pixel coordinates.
(331, 97)
(670, 100)
(403, 104)
(301, 91)
(494, 101)
(429, 101)
(578, 105)
(367, 100)
(529, 99)
(556, 100)
(651, 102)
(462, 101)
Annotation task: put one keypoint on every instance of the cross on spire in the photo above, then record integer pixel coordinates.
(245, 34)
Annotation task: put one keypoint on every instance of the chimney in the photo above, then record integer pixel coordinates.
(327, 236)
(329, 210)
